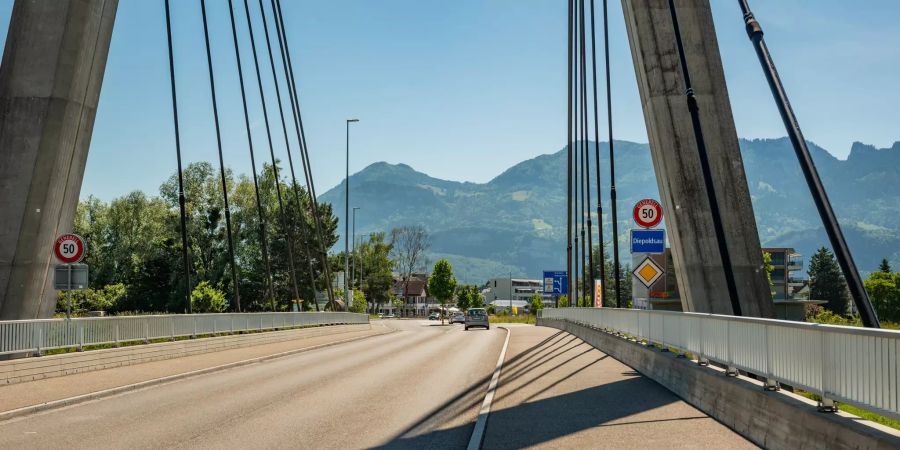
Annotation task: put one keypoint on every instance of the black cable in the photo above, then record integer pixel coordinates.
(312, 278)
(259, 208)
(705, 167)
(612, 162)
(301, 135)
(576, 136)
(181, 199)
(212, 87)
(289, 233)
(600, 244)
(817, 189)
(585, 168)
(569, 166)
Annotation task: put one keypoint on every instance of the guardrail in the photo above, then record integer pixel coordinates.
(858, 366)
(20, 336)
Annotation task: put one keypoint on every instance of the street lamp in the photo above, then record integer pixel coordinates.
(353, 269)
(347, 298)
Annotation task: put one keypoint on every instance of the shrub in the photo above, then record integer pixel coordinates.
(206, 298)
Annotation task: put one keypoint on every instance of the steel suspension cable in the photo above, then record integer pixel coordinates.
(294, 95)
(289, 234)
(569, 163)
(259, 208)
(181, 199)
(817, 189)
(577, 137)
(312, 278)
(585, 166)
(612, 162)
(212, 87)
(600, 244)
(705, 166)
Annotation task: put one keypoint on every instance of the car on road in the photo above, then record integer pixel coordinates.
(387, 316)
(477, 317)
(457, 317)
(434, 316)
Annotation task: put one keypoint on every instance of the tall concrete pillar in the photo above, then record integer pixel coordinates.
(698, 264)
(50, 81)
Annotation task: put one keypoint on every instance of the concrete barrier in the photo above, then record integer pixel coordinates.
(769, 419)
(36, 368)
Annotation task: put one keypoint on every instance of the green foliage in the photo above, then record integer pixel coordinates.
(442, 283)
(826, 281)
(490, 309)
(135, 241)
(885, 266)
(469, 297)
(884, 291)
(536, 303)
(769, 268)
(818, 314)
(359, 302)
(563, 301)
(104, 299)
(206, 298)
(373, 262)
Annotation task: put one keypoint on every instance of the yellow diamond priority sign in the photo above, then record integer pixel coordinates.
(647, 272)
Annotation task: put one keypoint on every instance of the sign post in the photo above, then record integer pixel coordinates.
(69, 250)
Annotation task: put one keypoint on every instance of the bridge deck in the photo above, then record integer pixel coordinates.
(557, 391)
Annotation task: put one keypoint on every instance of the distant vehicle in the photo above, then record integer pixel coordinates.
(477, 317)
(387, 316)
(434, 316)
(458, 318)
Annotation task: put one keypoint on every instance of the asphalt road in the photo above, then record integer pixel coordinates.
(421, 386)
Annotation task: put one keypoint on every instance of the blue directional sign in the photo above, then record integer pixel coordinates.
(556, 282)
(648, 241)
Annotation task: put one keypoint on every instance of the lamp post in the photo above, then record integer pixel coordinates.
(353, 268)
(347, 298)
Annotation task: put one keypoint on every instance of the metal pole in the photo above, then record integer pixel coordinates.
(347, 298)
(820, 197)
(510, 293)
(69, 294)
(612, 161)
(353, 269)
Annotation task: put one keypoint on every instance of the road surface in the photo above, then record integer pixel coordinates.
(419, 387)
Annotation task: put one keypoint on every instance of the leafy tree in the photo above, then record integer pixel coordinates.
(769, 268)
(563, 301)
(885, 266)
(206, 298)
(490, 309)
(375, 268)
(103, 299)
(442, 284)
(477, 299)
(537, 303)
(884, 291)
(463, 299)
(359, 302)
(826, 281)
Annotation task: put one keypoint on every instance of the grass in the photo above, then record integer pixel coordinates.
(512, 319)
(863, 413)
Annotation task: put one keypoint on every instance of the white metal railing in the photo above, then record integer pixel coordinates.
(19, 336)
(859, 366)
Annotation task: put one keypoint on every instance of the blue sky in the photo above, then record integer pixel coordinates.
(463, 89)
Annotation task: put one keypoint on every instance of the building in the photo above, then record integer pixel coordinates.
(511, 288)
(416, 301)
(789, 286)
(503, 305)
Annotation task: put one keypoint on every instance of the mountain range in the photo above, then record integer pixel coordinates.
(515, 223)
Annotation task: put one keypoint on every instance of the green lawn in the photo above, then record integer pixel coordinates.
(512, 319)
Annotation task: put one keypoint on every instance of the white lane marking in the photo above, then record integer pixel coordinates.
(481, 423)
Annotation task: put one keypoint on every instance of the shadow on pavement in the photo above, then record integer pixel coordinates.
(536, 421)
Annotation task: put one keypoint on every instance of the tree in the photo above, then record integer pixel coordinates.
(769, 268)
(442, 283)
(885, 266)
(563, 301)
(206, 298)
(884, 291)
(375, 268)
(463, 298)
(537, 303)
(408, 245)
(359, 302)
(826, 281)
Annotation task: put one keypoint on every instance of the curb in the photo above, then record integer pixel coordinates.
(56, 404)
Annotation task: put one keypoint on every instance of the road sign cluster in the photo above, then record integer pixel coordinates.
(646, 242)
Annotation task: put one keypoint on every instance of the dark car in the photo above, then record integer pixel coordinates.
(477, 317)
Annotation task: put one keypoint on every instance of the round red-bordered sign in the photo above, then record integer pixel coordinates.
(69, 248)
(647, 213)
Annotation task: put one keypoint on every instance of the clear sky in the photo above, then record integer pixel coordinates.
(462, 89)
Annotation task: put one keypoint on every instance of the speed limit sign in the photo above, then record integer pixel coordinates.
(69, 248)
(648, 213)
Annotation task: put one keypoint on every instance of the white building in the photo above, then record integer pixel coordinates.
(520, 289)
